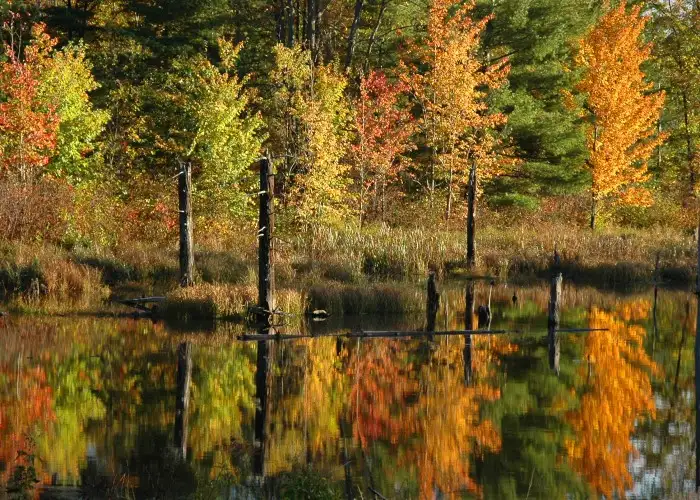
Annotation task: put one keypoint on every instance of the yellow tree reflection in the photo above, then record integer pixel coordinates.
(309, 394)
(618, 393)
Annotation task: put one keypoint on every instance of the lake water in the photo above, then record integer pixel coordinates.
(88, 405)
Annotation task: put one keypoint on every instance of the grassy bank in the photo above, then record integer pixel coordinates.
(344, 271)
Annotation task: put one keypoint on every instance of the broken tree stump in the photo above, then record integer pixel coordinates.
(186, 245)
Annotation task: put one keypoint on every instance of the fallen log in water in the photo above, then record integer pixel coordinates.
(403, 334)
(141, 302)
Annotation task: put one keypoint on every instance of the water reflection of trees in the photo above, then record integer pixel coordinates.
(92, 400)
(98, 399)
(616, 392)
(423, 411)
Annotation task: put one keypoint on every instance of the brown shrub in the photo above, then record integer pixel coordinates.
(30, 211)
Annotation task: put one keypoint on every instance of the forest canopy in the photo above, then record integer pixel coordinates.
(371, 110)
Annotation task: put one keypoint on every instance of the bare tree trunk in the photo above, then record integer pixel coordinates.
(383, 198)
(352, 36)
(688, 143)
(594, 201)
(290, 15)
(280, 21)
(373, 35)
(362, 194)
(448, 210)
(311, 11)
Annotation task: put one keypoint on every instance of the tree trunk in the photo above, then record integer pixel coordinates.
(471, 202)
(186, 245)
(352, 36)
(448, 210)
(280, 21)
(594, 201)
(290, 15)
(312, 13)
(373, 35)
(383, 198)
(266, 221)
(688, 143)
(362, 194)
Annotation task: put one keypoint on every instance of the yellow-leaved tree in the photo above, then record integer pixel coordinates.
(310, 124)
(451, 81)
(622, 109)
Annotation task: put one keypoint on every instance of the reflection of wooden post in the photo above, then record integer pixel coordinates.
(182, 403)
(697, 373)
(684, 328)
(262, 392)
(469, 311)
(656, 296)
(345, 434)
(553, 322)
(469, 325)
(186, 246)
(266, 221)
(432, 302)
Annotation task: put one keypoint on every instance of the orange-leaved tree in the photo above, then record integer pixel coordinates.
(384, 129)
(451, 83)
(28, 126)
(623, 112)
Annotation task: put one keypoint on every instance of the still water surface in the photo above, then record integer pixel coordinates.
(92, 402)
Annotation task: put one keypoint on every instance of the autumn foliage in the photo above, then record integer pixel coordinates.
(28, 126)
(452, 92)
(622, 134)
(384, 130)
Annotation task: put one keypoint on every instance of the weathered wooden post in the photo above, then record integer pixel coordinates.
(186, 246)
(471, 205)
(266, 222)
(182, 403)
(469, 325)
(553, 322)
(432, 302)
